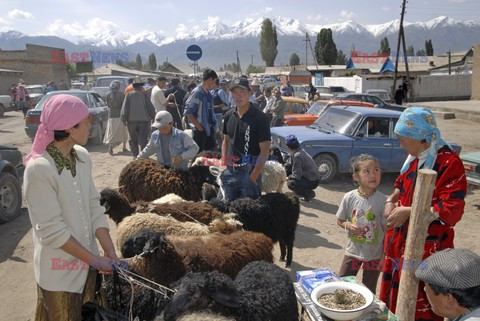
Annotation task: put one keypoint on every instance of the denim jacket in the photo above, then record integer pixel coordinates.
(180, 144)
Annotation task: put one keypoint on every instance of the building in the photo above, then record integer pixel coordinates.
(7, 78)
(36, 63)
(116, 70)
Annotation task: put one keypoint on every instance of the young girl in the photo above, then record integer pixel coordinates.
(361, 213)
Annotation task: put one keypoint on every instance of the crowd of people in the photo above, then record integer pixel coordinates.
(235, 116)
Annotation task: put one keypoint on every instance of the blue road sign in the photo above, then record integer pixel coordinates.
(194, 52)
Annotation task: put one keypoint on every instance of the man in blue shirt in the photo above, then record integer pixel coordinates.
(199, 111)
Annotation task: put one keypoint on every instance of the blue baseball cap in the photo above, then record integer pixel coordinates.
(292, 141)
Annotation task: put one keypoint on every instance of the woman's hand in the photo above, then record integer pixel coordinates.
(389, 207)
(358, 232)
(398, 216)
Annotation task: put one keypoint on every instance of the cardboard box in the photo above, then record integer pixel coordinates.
(310, 279)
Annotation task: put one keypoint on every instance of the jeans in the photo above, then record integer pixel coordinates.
(236, 183)
(303, 186)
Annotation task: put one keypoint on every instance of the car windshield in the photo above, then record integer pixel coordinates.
(41, 103)
(338, 120)
(317, 108)
(380, 94)
(35, 90)
(337, 89)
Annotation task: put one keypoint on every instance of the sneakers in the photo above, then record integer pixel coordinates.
(309, 197)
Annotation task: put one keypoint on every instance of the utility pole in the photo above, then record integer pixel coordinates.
(449, 62)
(306, 49)
(252, 60)
(401, 36)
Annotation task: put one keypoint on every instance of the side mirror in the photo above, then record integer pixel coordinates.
(376, 106)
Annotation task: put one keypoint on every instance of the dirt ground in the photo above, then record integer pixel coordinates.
(319, 241)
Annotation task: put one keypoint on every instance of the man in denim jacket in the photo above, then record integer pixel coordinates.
(173, 147)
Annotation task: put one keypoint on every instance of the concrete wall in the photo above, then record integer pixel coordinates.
(7, 79)
(476, 73)
(36, 64)
(441, 87)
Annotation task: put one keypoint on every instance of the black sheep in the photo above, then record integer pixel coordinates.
(261, 291)
(146, 180)
(273, 214)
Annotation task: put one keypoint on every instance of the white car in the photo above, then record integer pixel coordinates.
(5, 104)
(35, 92)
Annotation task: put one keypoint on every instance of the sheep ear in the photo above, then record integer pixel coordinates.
(227, 297)
(214, 170)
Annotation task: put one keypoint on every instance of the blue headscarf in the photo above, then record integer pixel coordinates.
(419, 123)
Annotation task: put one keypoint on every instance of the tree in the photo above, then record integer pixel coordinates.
(152, 61)
(429, 47)
(268, 42)
(138, 62)
(325, 48)
(410, 51)
(421, 52)
(254, 69)
(294, 60)
(71, 70)
(384, 46)
(341, 58)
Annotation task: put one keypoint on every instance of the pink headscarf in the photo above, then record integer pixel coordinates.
(59, 113)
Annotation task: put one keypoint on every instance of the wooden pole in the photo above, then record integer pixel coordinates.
(420, 219)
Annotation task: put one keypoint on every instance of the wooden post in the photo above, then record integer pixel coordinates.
(420, 219)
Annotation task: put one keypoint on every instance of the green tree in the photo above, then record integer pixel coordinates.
(325, 48)
(384, 46)
(429, 47)
(254, 69)
(294, 60)
(341, 58)
(138, 62)
(268, 42)
(421, 52)
(410, 51)
(152, 61)
(71, 70)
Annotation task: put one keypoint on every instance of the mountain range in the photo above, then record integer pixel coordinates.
(219, 42)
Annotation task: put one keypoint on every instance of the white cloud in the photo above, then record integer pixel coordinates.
(4, 21)
(347, 14)
(75, 30)
(317, 17)
(385, 8)
(19, 14)
(268, 9)
(212, 20)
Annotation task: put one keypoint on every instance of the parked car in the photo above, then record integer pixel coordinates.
(324, 92)
(97, 106)
(371, 99)
(337, 90)
(35, 92)
(380, 93)
(317, 108)
(102, 84)
(6, 104)
(11, 179)
(295, 105)
(342, 132)
(76, 85)
(300, 91)
(471, 162)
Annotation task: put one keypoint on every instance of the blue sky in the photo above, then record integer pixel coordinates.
(166, 17)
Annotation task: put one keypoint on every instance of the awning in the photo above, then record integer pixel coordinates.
(350, 64)
(387, 66)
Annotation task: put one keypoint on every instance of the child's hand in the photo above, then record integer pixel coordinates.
(358, 232)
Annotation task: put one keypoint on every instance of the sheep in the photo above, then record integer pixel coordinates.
(274, 175)
(165, 259)
(118, 207)
(135, 223)
(273, 214)
(261, 292)
(145, 179)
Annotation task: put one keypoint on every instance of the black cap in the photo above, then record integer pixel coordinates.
(240, 82)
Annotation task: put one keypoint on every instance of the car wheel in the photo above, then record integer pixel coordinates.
(10, 197)
(98, 140)
(2, 110)
(327, 167)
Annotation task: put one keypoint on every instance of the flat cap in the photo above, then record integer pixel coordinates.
(451, 268)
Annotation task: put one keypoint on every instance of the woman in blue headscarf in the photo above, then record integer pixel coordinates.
(116, 132)
(418, 133)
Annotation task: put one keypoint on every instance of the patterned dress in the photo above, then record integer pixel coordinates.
(448, 201)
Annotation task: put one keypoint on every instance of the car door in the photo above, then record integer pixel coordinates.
(399, 155)
(99, 107)
(375, 140)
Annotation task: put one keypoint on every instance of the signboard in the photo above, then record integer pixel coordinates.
(194, 52)
(86, 66)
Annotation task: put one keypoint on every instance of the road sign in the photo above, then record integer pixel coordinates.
(194, 53)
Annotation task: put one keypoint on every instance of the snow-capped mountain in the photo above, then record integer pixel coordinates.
(220, 41)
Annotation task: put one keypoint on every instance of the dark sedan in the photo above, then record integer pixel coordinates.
(11, 178)
(97, 106)
(371, 99)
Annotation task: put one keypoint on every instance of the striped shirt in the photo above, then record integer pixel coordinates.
(304, 166)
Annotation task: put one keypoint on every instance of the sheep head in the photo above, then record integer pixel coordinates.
(226, 225)
(197, 291)
(116, 205)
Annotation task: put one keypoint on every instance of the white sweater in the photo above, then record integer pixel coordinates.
(61, 206)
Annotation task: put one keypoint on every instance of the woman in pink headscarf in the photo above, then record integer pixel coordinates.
(65, 211)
